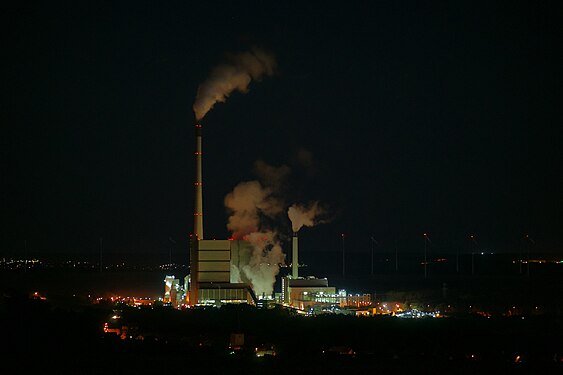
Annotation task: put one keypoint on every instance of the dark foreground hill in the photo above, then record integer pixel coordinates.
(41, 335)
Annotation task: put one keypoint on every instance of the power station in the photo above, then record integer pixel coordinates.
(210, 280)
(213, 279)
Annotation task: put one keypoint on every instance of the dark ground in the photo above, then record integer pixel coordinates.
(64, 333)
(41, 336)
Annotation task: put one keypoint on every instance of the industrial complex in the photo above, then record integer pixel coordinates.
(213, 279)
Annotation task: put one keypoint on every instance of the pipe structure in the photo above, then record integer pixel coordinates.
(295, 257)
(198, 206)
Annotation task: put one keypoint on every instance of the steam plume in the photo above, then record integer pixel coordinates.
(249, 204)
(250, 201)
(263, 266)
(234, 75)
(246, 203)
(306, 215)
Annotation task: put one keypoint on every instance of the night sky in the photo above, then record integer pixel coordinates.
(401, 117)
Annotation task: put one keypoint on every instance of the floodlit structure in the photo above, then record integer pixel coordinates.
(415, 314)
(212, 281)
(305, 293)
(214, 277)
(302, 293)
(314, 295)
(174, 293)
(211, 261)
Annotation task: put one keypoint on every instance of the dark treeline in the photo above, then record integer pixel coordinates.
(69, 339)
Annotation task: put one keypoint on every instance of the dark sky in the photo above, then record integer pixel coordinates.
(438, 117)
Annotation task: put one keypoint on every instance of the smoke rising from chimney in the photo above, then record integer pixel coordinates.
(234, 75)
(251, 200)
(306, 215)
(249, 204)
(263, 266)
(246, 203)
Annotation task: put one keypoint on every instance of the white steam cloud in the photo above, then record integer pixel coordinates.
(246, 203)
(249, 204)
(263, 266)
(306, 215)
(234, 75)
(252, 200)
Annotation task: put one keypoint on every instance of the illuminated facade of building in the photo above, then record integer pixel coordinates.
(174, 293)
(211, 279)
(303, 293)
(313, 294)
(211, 261)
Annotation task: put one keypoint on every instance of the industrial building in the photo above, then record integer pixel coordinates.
(174, 292)
(303, 293)
(210, 280)
(314, 295)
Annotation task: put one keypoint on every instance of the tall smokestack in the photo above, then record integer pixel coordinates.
(198, 206)
(295, 257)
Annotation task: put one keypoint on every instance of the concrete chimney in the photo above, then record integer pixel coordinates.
(198, 220)
(198, 206)
(295, 257)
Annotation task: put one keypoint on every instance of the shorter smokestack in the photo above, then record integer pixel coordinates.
(295, 257)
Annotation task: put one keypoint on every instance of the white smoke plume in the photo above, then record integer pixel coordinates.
(235, 274)
(234, 75)
(248, 204)
(251, 200)
(263, 266)
(306, 215)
